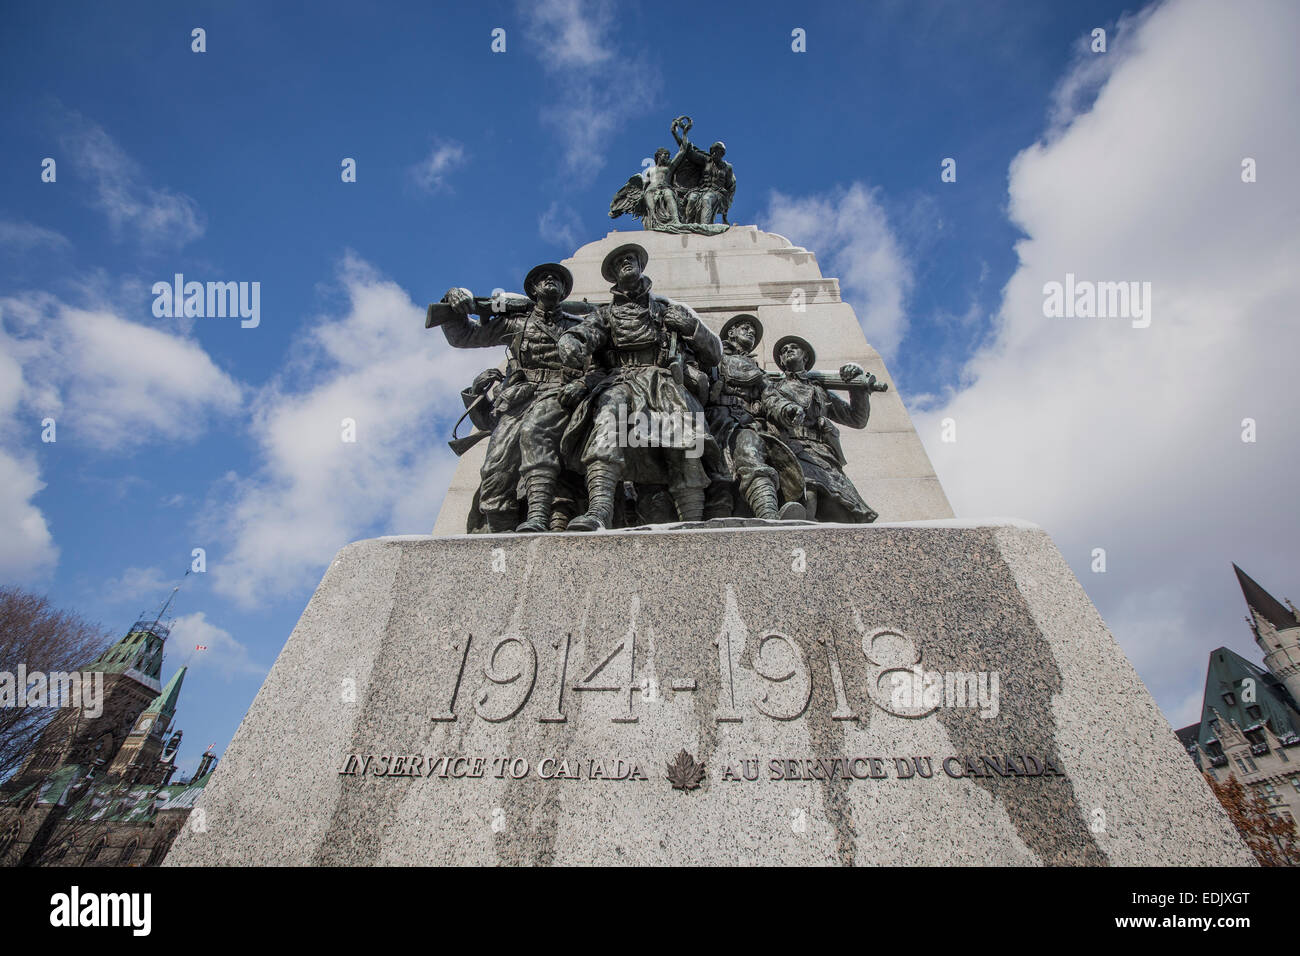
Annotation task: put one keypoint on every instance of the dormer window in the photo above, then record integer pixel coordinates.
(1230, 699)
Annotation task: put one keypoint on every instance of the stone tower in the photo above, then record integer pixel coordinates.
(142, 758)
(1277, 632)
(746, 270)
(131, 671)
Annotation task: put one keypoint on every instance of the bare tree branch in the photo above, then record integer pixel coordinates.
(43, 638)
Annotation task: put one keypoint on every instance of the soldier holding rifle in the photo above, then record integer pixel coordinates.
(764, 470)
(534, 402)
(804, 413)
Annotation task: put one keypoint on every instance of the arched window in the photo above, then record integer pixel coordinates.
(61, 852)
(161, 847)
(128, 851)
(9, 838)
(96, 849)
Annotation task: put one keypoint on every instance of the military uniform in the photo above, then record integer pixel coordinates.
(630, 341)
(760, 463)
(816, 442)
(523, 455)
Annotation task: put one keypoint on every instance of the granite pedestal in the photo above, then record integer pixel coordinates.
(927, 693)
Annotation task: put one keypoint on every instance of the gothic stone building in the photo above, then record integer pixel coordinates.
(1250, 720)
(98, 791)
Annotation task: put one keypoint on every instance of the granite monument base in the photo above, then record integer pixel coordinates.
(929, 693)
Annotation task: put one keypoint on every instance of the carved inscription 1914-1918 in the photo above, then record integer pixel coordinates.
(510, 663)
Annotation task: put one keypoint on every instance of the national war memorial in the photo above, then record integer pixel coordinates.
(695, 595)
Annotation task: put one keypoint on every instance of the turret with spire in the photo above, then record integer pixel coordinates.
(1277, 632)
(140, 758)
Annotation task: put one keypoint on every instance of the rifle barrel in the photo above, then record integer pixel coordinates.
(833, 380)
(439, 312)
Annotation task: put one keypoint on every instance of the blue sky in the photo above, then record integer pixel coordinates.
(473, 166)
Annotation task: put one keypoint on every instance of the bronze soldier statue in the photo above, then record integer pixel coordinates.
(761, 465)
(640, 339)
(804, 412)
(480, 400)
(534, 402)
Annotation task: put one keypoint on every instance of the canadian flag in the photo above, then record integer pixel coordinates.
(200, 647)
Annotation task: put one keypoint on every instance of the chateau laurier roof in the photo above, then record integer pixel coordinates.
(1229, 676)
(1223, 680)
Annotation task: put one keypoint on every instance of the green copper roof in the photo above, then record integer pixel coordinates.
(135, 804)
(51, 787)
(139, 650)
(165, 703)
(1223, 682)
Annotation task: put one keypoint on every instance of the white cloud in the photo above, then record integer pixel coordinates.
(560, 225)
(221, 654)
(27, 551)
(573, 33)
(597, 82)
(1130, 439)
(851, 234)
(431, 172)
(136, 582)
(313, 492)
(26, 235)
(107, 383)
(116, 383)
(157, 216)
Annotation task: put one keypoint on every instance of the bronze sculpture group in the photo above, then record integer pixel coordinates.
(634, 412)
(683, 192)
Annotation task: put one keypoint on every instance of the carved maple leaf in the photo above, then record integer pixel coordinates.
(685, 773)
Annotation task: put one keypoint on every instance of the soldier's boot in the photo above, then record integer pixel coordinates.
(761, 495)
(499, 521)
(717, 500)
(690, 503)
(541, 494)
(602, 482)
(792, 511)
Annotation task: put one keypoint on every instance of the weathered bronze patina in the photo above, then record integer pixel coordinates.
(681, 193)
